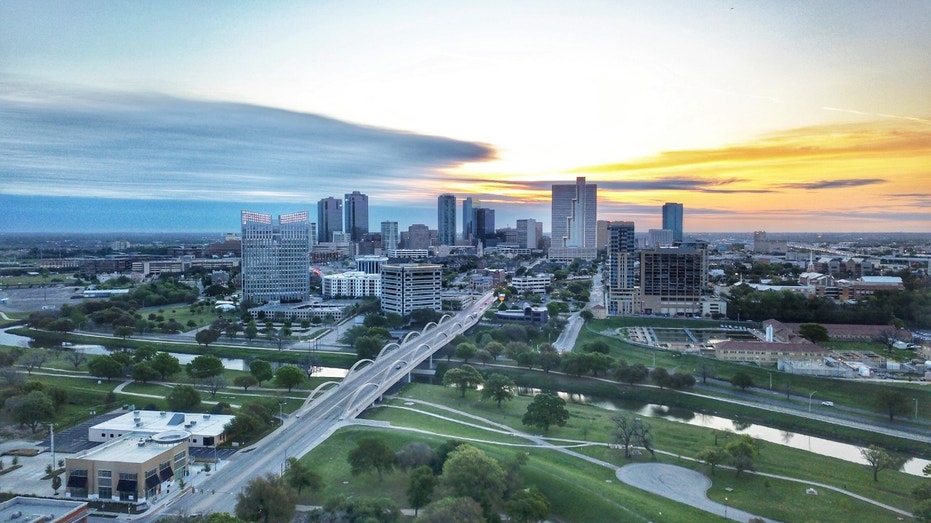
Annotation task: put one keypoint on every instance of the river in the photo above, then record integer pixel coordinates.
(821, 446)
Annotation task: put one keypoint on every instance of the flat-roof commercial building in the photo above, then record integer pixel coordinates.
(205, 430)
(351, 284)
(130, 469)
(407, 287)
(23, 509)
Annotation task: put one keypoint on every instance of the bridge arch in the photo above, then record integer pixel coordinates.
(320, 387)
(409, 335)
(446, 317)
(357, 364)
(427, 326)
(385, 349)
(352, 399)
(394, 366)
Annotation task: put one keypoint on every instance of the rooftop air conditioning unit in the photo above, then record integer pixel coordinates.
(206, 416)
(163, 413)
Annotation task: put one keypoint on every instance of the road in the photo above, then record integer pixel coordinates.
(316, 420)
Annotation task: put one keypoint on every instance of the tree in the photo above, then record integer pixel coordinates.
(166, 364)
(495, 349)
(289, 376)
(354, 509)
(465, 351)
(207, 336)
(262, 370)
(105, 367)
(414, 454)
(33, 408)
(706, 370)
(123, 331)
(453, 510)
(245, 381)
(183, 398)
(681, 381)
(813, 332)
(891, 401)
(213, 384)
(144, 372)
(922, 511)
(56, 483)
(597, 346)
(204, 366)
(545, 410)
(470, 472)
(75, 357)
(575, 363)
(740, 451)
(629, 431)
(33, 359)
(660, 377)
(371, 453)
(631, 374)
(498, 387)
(251, 331)
(420, 488)
(368, 347)
(878, 459)
(713, 456)
(463, 377)
(527, 506)
(742, 380)
(299, 476)
(266, 499)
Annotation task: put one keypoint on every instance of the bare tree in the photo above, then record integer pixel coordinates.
(33, 359)
(213, 384)
(629, 431)
(76, 357)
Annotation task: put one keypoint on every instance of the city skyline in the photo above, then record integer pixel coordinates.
(164, 117)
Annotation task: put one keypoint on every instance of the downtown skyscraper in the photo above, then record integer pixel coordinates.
(672, 219)
(390, 236)
(574, 214)
(275, 262)
(356, 207)
(622, 280)
(329, 218)
(446, 219)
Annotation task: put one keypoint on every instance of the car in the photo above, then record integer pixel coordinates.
(827, 403)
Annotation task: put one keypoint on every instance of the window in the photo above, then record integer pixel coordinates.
(105, 484)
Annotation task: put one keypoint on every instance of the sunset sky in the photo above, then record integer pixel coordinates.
(171, 115)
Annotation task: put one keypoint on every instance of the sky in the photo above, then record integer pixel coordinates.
(172, 116)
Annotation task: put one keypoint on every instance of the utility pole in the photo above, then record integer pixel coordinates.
(51, 427)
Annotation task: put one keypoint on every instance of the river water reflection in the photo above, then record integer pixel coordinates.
(228, 363)
(824, 447)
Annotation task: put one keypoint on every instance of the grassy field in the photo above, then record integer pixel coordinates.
(580, 491)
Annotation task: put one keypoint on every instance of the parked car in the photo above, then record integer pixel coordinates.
(827, 403)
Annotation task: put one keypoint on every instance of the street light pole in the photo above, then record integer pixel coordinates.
(725, 507)
(809, 400)
(916, 408)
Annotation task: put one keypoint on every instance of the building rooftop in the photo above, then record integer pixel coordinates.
(133, 448)
(150, 422)
(37, 510)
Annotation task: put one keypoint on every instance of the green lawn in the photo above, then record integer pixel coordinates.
(580, 491)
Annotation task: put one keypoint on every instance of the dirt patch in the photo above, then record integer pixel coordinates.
(22, 452)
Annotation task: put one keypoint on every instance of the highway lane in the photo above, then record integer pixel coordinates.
(312, 424)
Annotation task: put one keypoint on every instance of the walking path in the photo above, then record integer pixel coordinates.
(673, 482)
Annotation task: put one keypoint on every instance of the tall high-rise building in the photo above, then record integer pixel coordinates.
(357, 215)
(418, 236)
(672, 219)
(468, 230)
(484, 224)
(329, 218)
(574, 213)
(672, 279)
(446, 219)
(660, 238)
(601, 233)
(527, 233)
(622, 277)
(390, 238)
(275, 262)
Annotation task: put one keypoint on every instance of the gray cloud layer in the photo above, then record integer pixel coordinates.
(157, 147)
